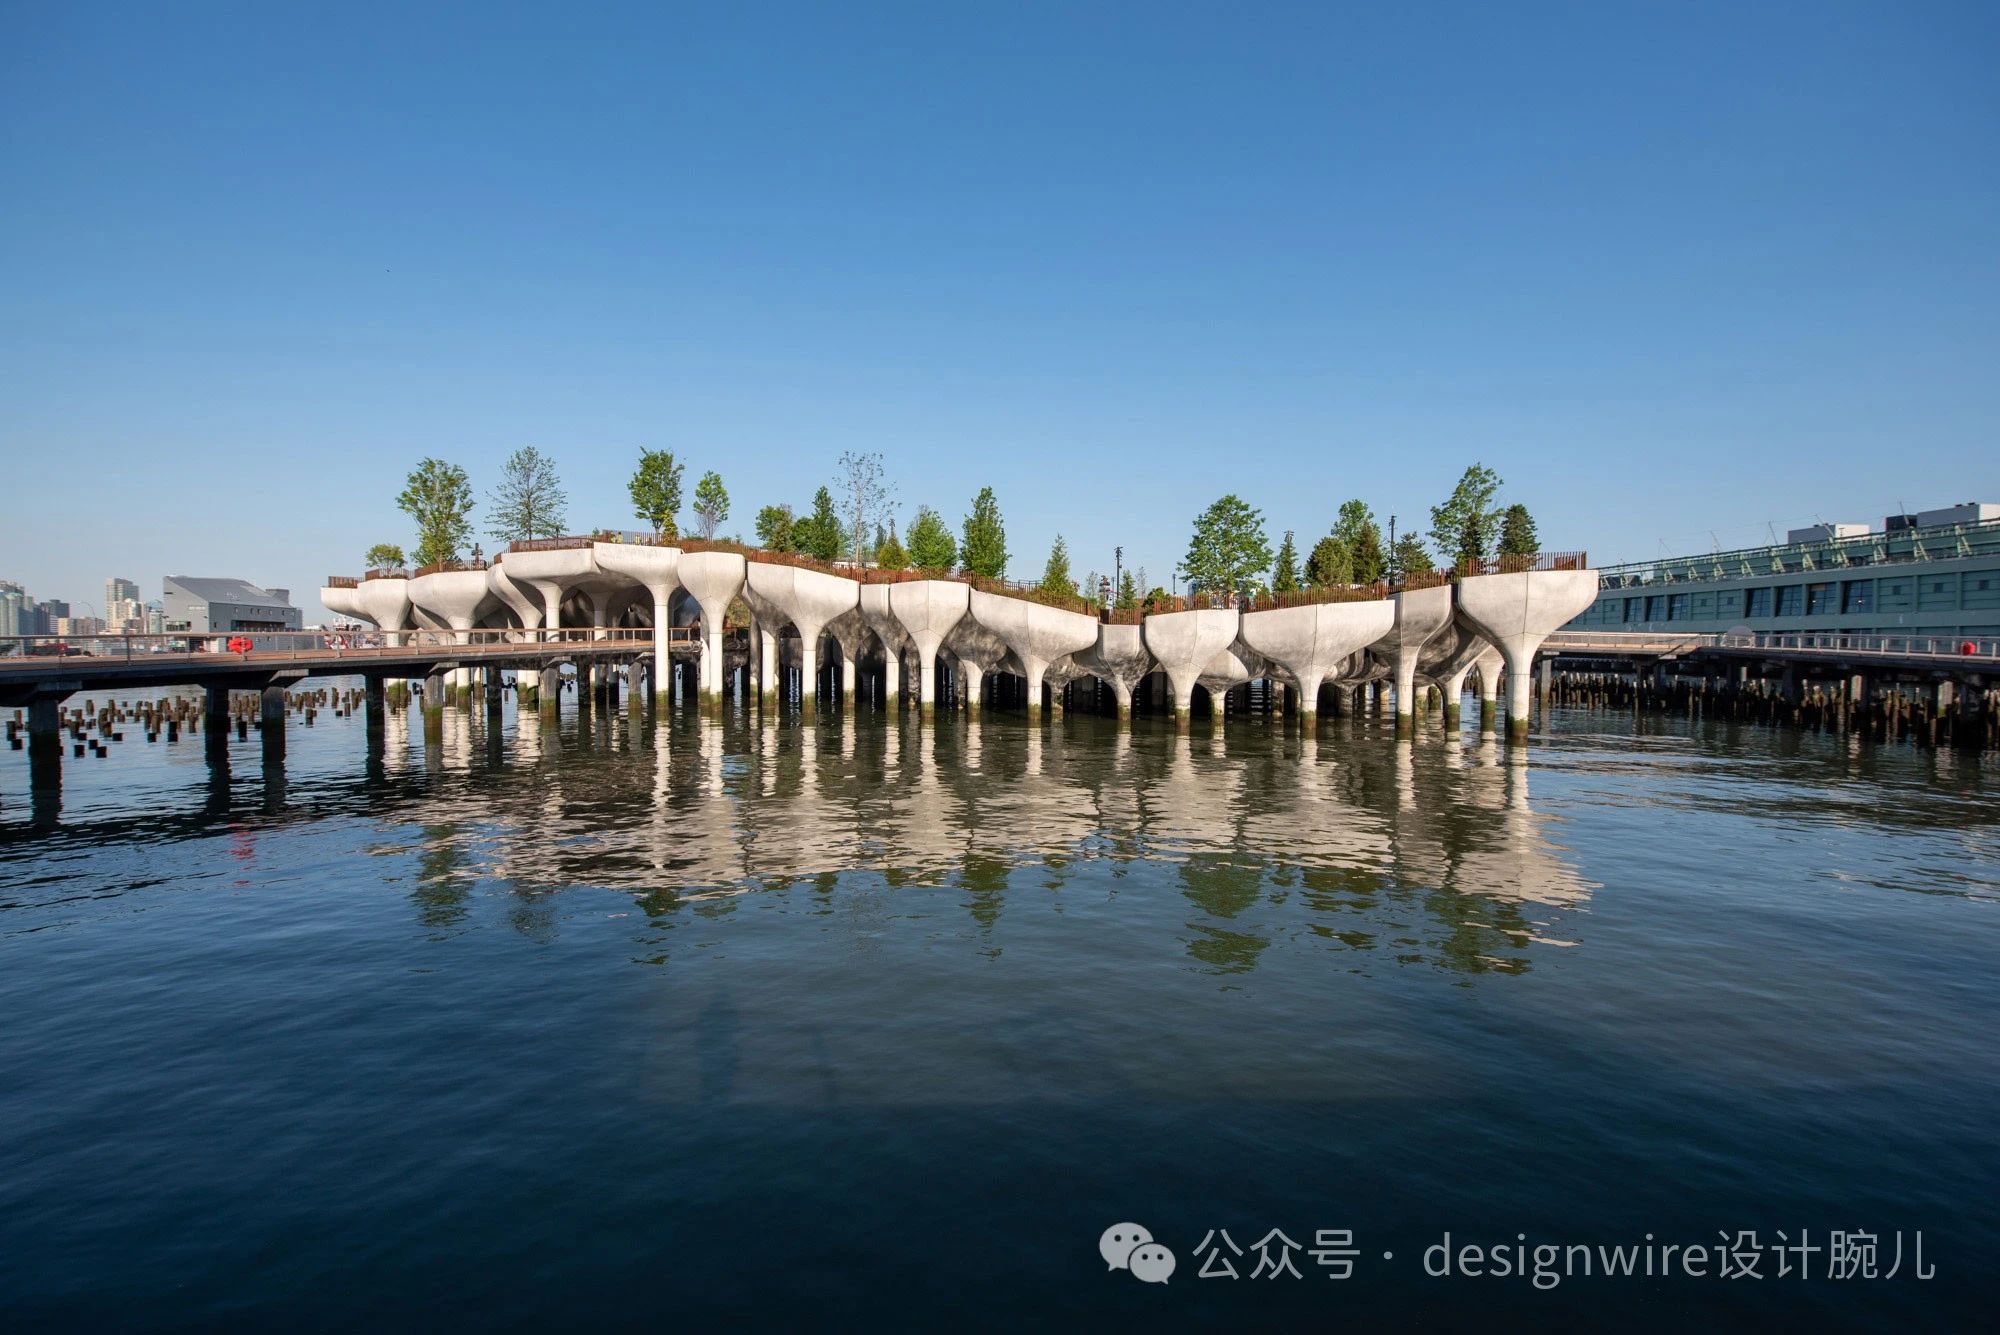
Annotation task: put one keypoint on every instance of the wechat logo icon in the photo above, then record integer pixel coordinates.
(1130, 1247)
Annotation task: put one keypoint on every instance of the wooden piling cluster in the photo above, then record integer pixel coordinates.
(1937, 714)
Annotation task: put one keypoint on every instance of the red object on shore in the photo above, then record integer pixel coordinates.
(239, 644)
(1968, 648)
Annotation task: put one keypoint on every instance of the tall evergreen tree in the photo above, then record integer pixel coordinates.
(1285, 576)
(985, 549)
(1331, 565)
(1412, 558)
(1056, 578)
(824, 534)
(931, 545)
(1517, 532)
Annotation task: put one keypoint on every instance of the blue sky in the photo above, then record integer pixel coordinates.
(1670, 269)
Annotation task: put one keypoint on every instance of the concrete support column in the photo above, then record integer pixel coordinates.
(711, 661)
(215, 710)
(808, 677)
(974, 677)
(1182, 691)
(769, 671)
(1454, 695)
(848, 698)
(1035, 669)
(1406, 693)
(892, 679)
(927, 685)
(375, 696)
(663, 642)
(1545, 681)
(548, 692)
(44, 752)
(1305, 701)
(1520, 689)
(434, 689)
(271, 715)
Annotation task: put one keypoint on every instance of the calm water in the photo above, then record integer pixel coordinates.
(693, 1024)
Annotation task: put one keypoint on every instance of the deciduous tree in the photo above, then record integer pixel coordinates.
(438, 496)
(529, 502)
(656, 491)
(1228, 550)
(711, 502)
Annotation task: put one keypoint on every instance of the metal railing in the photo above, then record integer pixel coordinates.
(343, 582)
(1863, 551)
(447, 567)
(1930, 647)
(20, 653)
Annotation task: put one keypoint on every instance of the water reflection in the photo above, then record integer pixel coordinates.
(1430, 853)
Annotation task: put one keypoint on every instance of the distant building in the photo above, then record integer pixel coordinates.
(1933, 573)
(15, 609)
(211, 606)
(79, 628)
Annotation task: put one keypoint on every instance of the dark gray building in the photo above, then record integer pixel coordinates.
(212, 606)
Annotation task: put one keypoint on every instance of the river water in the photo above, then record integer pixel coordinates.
(680, 1023)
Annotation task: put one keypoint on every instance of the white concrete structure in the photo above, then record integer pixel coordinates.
(808, 599)
(1184, 644)
(896, 643)
(1310, 644)
(1419, 614)
(1037, 634)
(1119, 658)
(928, 609)
(1518, 612)
(657, 570)
(978, 651)
(1440, 634)
(712, 579)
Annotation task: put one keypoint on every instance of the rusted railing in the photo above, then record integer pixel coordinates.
(1027, 594)
(446, 567)
(343, 582)
(566, 544)
(385, 574)
(1312, 597)
(1509, 564)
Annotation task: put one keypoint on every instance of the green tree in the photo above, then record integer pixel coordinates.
(1228, 550)
(384, 556)
(1517, 532)
(1411, 557)
(1331, 564)
(1056, 578)
(1356, 528)
(529, 502)
(656, 491)
(1463, 527)
(931, 545)
(985, 549)
(774, 528)
(889, 553)
(711, 502)
(438, 496)
(1285, 577)
(1128, 591)
(1370, 562)
(820, 534)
